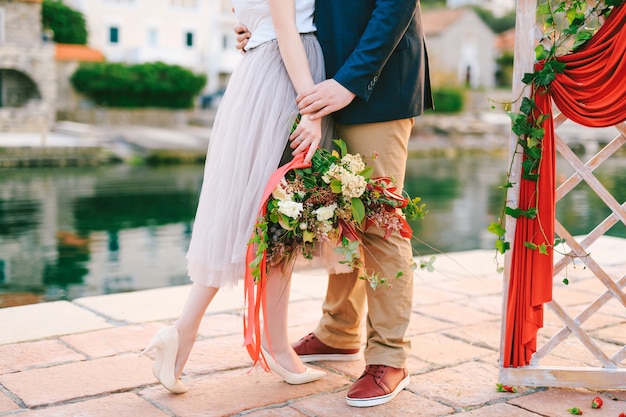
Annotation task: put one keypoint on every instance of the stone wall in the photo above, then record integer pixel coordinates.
(22, 22)
(101, 116)
(24, 51)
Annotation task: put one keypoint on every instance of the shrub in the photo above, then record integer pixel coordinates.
(448, 99)
(67, 24)
(143, 85)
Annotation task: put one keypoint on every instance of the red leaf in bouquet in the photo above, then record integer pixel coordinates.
(347, 230)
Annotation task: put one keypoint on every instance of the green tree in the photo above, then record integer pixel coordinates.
(497, 24)
(67, 24)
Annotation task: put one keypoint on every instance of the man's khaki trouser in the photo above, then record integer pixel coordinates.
(389, 310)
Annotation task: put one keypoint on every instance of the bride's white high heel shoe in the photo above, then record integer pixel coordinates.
(309, 374)
(165, 342)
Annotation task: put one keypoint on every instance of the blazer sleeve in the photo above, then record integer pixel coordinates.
(387, 24)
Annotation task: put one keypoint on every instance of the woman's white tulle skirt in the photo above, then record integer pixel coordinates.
(250, 132)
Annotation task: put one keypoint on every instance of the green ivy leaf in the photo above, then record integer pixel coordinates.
(543, 8)
(543, 249)
(529, 78)
(559, 240)
(502, 246)
(527, 105)
(581, 38)
(565, 281)
(496, 229)
(530, 245)
(540, 51)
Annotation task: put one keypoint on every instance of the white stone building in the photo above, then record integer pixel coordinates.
(27, 71)
(196, 34)
(461, 48)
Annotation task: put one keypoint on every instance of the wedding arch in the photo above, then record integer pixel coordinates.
(586, 86)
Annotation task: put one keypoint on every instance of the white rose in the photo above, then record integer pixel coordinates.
(325, 213)
(290, 208)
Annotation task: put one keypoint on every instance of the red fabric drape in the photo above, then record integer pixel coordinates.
(591, 92)
(255, 303)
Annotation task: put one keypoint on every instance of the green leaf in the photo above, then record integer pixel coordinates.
(581, 38)
(343, 149)
(543, 249)
(530, 245)
(541, 52)
(502, 246)
(367, 172)
(527, 105)
(496, 229)
(529, 77)
(559, 240)
(543, 8)
(428, 265)
(335, 186)
(545, 76)
(358, 210)
(565, 281)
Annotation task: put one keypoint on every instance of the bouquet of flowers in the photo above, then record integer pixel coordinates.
(329, 203)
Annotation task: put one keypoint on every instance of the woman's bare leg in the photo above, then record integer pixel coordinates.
(277, 298)
(188, 323)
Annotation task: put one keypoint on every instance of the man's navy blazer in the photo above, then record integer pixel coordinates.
(376, 49)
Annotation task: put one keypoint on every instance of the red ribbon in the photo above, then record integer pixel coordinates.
(256, 304)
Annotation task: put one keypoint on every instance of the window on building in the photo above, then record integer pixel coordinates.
(189, 39)
(153, 37)
(114, 34)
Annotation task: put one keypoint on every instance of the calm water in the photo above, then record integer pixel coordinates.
(67, 233)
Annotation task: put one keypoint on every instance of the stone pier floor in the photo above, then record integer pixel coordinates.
(80, 358)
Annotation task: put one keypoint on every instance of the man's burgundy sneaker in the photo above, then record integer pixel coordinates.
(311, 349)
(379, 384)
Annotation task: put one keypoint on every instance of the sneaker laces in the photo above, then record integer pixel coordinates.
(377, 371)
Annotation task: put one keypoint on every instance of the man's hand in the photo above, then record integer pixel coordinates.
(323, 99)
(243, 34)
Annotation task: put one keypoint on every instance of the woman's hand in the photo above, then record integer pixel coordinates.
(243, 34)
(306, 137)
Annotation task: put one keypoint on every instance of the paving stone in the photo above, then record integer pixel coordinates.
(286, 411)
(79, 379)
(490, 304)
(499, 410)
(7, 404)
(442, 350)
(140, 306)
(231, 392)
(218, 354)
(22, 356)
(420, 324)
(220, 325)
(114, 341)
(471, 384)
(424, 294)
(487, 333)
(40, 321)
(472, 286)
(118, 405)
(556, 401)
(404, 404)
(455, 313)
